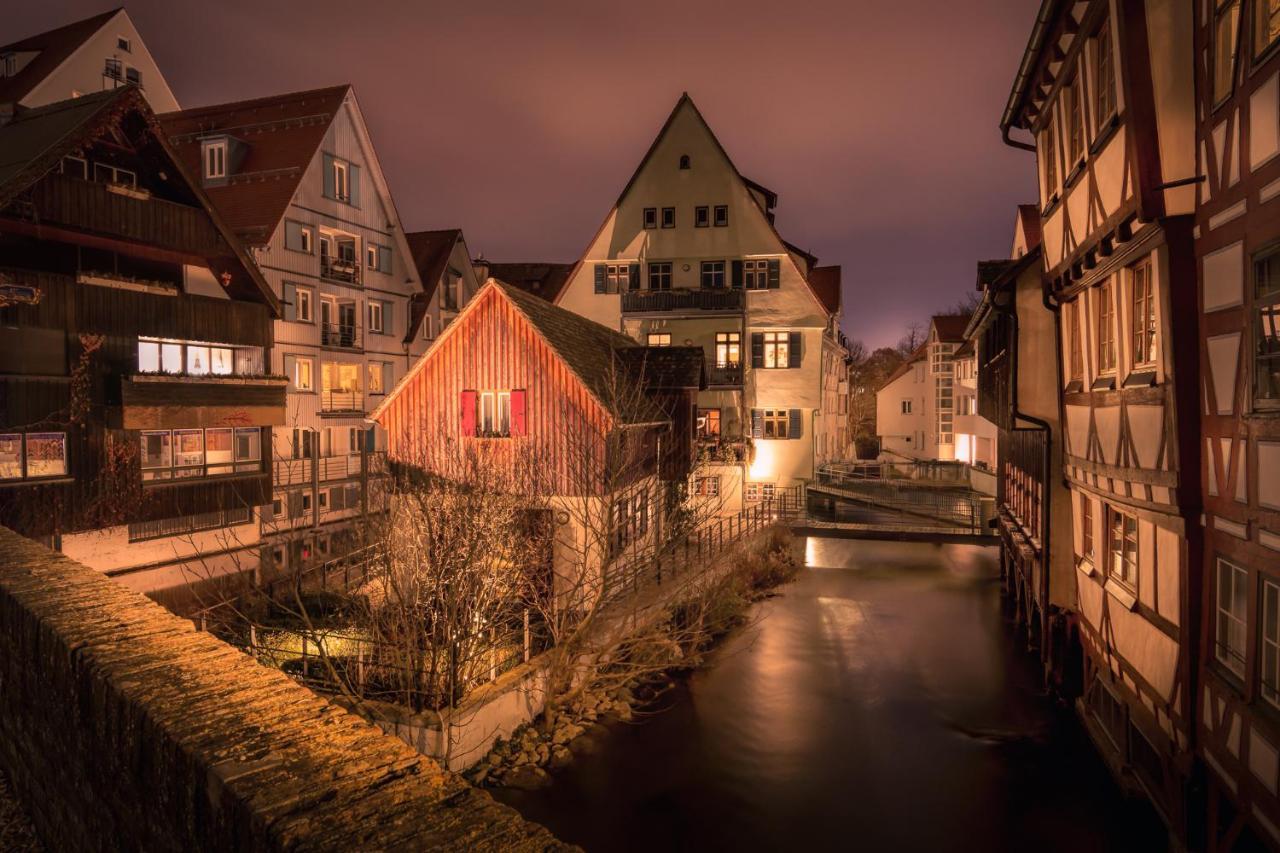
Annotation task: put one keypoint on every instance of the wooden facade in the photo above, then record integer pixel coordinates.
(1237, 227)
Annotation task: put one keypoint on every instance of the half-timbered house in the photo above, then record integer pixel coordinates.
(575, 412)
(1105, 92)
(136, 397)
(1237, 246)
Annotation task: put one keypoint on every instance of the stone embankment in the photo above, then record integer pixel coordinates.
(122, 727)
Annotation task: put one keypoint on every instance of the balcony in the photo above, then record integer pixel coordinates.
(119, 211)
(340, 335)
(339, 466)
(723, 451)
(729, 376)
(186, 401)
(658, 301)
(341, 403)
(339, 269)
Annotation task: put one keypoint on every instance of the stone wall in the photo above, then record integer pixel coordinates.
(121, 727)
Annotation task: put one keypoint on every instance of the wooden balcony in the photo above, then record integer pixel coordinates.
(715, 300)
(117, 211)
(181, 401)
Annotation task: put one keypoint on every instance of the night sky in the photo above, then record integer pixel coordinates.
(876, 123)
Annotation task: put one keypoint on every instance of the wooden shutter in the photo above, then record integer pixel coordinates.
(736, 277)
(384, 259)
(468, 412)
(775, 274)
(353, 184)
(757, 423)
(290, 302)
(388, 378)
(329, 191)
(794, 340)
(388, 318)
(634, 276)
(518, 427)
(796, 426)
(293, 235)
(757, 349)
(290, 362)
(601, 277)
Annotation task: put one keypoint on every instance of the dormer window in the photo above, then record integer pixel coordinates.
(124, 44)
(8, 64)
(215, 159)
(684, 161)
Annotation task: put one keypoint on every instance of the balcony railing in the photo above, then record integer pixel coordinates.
(341, 335)
(338, 269)
(729, 376)
(683, 300)
(341, 402)
(125, 213)
(339, 466)
(727, 451)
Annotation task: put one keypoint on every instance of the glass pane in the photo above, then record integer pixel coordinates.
(1224, 51)
(221, 360)
(148, 357)
(46, 454)
(197, 360)
(189, 447)
(1240, 596)
(155, 450)
(248, 444)
(217, 449)
(171, 358)
(10, 455)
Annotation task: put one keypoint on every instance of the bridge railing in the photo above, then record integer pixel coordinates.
(886, 488)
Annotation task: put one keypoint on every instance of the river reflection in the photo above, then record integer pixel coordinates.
(877, 703)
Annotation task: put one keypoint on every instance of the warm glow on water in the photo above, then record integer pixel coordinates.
(878, 703)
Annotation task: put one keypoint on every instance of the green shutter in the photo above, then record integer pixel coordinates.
(353, 179)
(384, 259)
(757, 349)
(736, 279)
(328, 176)
(775, 274)
(796, 426)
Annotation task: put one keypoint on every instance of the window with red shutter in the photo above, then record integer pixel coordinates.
(467, 404)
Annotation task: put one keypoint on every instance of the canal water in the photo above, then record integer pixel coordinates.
(879, 702)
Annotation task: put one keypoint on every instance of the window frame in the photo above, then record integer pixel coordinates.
(706, 417)
(776, 347)
(1087, 544)
(215, 155)
(1258, 53)
(659, 275)
(702, 216)
(717, 219)
(341, 181)
(377, 312)
(1106, 108)
(726, 344)
(1127, 558)
(712, 271)
(1105, 320)
(24, 455)
(906, 406)
(1220, 12)
(663, 339)
(1143, 340)
(1256, 305)
(668, 217)
(1076, 145)
(649, 218)
(298, 362)
(1269, 686)
(1224, 648)
(779, 420)
(304, 311)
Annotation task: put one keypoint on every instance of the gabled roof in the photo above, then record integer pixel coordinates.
(430, 251)
(545, 280)
(648, 155)
(55, 47)
(1029, 218)
(283, 134)
(950, 327)
(825, 282)
(964, 350)
(905, 368)
(36, 140)
(989, 272)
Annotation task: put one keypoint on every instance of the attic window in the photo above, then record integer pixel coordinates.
(133, 75)
(684, 161)
(8, 64)
(124, 44)
(215, 159)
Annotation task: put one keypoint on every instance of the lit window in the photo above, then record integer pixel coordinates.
(1144, 315)
(375, 378)
(728, 349)
(1123, 544)
(1226, 23)
(304, 374)
(1231, 628)
(1266, 25)
(708, 423)
(659, 339)
(659, 275)
(1106, 329)
(777, 349)
(776, 423)
(197, 360)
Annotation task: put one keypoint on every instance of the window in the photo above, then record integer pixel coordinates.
(668, 217)
(1086, 527)
(215, 160)
(376, 385)
(659, 275)
(722, 216)
(728, 349)
(375, 317)
(113, 70)
(124, 44)
(777, 349)
(157, 454)
(341, 190)
(701, 216)
(708, 423)
(105, 173)
(713, 274)
(8, 64)
(76, 167)
(1075, 123)
(133, 75)
(1231, 617)
(1104, 96)
(1266, 25)
(1144, 315)
(613, 278)
(707, 487)
(1106, 329)
(659, 339)
(776, 423)
(298, 237)
(1049, 153)
(906, 407)
(33, 455)
(1266, 329)
(1123, 545)
(1270, 642)
(1226, 22)
(684, 161)
(426, 327)
(493, 414)
(755, 275)
(964, 405)
(378, 258)
(304, 309)
(304, 374)
(170, 454)
(1073, 342)
(650, 218)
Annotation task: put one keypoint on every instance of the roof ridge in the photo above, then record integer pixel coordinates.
(248, 103)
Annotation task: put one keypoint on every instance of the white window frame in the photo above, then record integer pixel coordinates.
(341, 185)
(659, 339)
(906, 407)
(1269, 681)
(215, 159)
(1232, 649)
(310, 373)
(305, 312)
(376, 317)
(777, 349)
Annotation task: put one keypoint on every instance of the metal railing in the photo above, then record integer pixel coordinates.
(341, 401)
(337, 466)
(344, 335)
(729, 375)
(898, 501)
(338, 269)
(709, 299)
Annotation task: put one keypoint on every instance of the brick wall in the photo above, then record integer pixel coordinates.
(121, 727)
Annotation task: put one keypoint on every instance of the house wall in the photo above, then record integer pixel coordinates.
(907, 434)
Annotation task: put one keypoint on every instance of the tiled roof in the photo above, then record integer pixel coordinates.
(283, 134)
(1029, 216)
(541, 279)
(54, 47)
(825, 282)
(950, 327)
